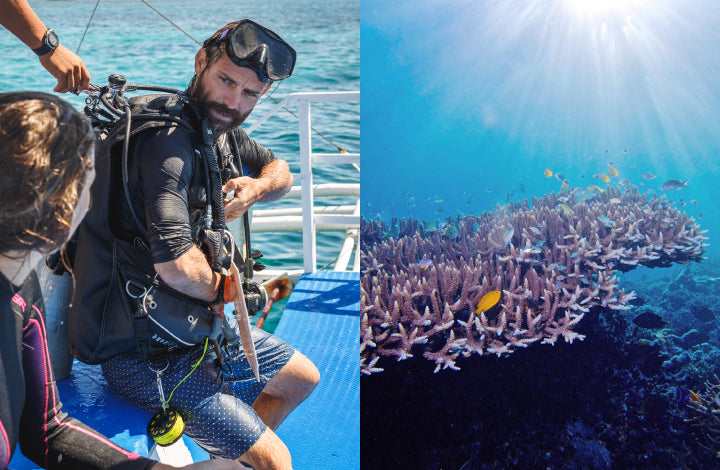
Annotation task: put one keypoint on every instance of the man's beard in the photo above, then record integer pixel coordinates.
(218, 126)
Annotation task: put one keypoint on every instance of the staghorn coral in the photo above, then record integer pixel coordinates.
(706, 416)
(555, 268)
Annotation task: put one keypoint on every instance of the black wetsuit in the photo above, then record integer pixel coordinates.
(30, 409)
(167, 188)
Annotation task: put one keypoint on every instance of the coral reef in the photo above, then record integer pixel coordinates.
(564, 407)
(553, 262)
(706, 416)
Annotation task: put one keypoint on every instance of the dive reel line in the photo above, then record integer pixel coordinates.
(167, 425)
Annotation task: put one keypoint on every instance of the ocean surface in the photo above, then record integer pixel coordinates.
(471, 108)
(128, 37)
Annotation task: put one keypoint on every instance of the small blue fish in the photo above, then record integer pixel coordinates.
(451, 232)
(583, 195)
(424, 263)
(673, 185)
(606, 221)
(507, 235)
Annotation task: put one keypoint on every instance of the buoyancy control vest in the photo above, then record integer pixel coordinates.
(109, 257)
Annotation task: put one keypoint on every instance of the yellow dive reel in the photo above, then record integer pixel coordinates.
(166, 427)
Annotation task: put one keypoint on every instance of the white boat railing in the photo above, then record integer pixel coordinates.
(308, 217)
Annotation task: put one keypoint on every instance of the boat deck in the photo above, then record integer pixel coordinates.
(321, 320)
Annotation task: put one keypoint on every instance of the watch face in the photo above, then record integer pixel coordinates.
(52, 39)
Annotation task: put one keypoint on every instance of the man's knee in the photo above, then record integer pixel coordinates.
(268, 452)
(307, 373)
(296, 380)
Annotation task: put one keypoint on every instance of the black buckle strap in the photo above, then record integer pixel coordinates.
(137, 293)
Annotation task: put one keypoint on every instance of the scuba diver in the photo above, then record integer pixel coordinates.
(154, 258)
(46, 171)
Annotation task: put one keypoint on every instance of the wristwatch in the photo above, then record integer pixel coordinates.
(51, 42)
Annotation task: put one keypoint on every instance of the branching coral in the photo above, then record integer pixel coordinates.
(559, 263)
(705, 408)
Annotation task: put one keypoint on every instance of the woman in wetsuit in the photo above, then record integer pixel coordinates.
(46, 169)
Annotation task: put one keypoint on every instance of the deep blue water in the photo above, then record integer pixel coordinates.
(482, 102)
(129, 38)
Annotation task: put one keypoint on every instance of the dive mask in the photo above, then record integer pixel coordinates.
(252, 45)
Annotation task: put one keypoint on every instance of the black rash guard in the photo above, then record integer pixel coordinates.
(30, 409)
(167, 187)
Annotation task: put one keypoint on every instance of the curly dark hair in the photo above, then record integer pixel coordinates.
(47, 152)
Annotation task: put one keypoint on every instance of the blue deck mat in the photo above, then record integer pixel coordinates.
(321, 320)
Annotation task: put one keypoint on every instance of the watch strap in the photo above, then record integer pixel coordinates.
(46, 47)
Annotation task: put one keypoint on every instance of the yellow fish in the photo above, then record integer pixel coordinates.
(593, 187)
(604, 177)
(694, 396)
(612, 171)
(548, 173)
(488, 301)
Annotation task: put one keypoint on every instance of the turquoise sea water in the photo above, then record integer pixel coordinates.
(478, 105)
(128, 37)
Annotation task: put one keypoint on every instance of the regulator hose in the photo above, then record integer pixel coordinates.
(216, 198)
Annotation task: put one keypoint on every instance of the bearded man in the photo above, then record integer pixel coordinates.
(155, 212)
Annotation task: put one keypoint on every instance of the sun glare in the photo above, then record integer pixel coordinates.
(595, 7)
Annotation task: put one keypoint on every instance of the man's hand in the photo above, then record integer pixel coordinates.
(273, 183)
(247, 192)
(67, 68)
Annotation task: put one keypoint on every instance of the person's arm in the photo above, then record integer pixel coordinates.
(166, 169)
(47, 435)
(191, 274)
(63, 64)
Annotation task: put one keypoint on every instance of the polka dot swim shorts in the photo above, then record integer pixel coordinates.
(214, 403)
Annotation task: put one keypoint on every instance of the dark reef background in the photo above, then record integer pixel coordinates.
(617, 400)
